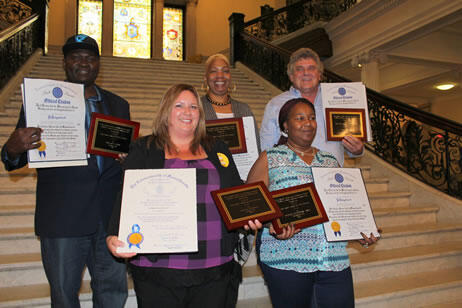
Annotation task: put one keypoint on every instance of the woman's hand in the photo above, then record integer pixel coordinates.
(287, 232)
(121, 157)
(253, 225)
(367, 241)
(113, 242)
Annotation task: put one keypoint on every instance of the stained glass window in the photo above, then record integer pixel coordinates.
(132, 28)
(173, 34)
(91, 19)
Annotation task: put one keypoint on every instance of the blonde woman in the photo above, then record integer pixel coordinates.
(209, 277)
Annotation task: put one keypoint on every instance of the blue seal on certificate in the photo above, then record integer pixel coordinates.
(339, 178)
(57, 92)
(136, 237)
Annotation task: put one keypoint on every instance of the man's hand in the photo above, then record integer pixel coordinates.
(21, 140)
(353, 145)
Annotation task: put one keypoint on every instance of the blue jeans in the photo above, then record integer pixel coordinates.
(290, 289)
(64, 260)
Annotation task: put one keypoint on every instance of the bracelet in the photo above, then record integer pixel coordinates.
(365, 245)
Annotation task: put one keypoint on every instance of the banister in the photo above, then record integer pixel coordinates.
(9, 32)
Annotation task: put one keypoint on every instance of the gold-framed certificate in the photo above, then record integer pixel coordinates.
(350, 96)
(341, 122)
(239, 204)
(300, 205)
(110, 136)
(230, 131)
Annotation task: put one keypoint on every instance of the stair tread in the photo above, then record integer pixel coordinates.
(451, 304)
(16, 231)
(404, 210)
(393, 286)
(40, 291)
(370, 256)
(395, 194)
(20, 258)
(17, 210)
(419, 228)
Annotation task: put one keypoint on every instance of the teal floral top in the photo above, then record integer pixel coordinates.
(308, 251)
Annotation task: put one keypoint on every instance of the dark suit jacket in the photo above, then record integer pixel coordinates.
(71, 201)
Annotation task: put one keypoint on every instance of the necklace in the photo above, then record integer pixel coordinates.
(227, 102)
(309, 152)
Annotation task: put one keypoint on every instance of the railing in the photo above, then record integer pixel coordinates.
(17, 44)
(425, 146)
(296, 16)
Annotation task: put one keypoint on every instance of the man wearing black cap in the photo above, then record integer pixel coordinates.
(73, 204)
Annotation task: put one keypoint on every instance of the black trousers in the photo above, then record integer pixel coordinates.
(221, 291)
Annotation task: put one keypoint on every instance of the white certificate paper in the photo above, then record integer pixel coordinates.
(344, 197)
(158, 213)
(245, 161)
(58, 108)
(346, 95)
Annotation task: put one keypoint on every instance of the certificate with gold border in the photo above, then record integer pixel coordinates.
(230, 131)
(341, 122)
(239, 204)
(300, 205)
(110, 136)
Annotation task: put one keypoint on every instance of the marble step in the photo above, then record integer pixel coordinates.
(414, 290)
(18, 196)
(448, 304)
(395, 237)
(24, 269)
(373, 265)
(17, 220)
(404, 216)
(389, 199)
(38, 295)
(18, 240)
(24, 171)
(17, 209)
(7, 120)
(17, 180)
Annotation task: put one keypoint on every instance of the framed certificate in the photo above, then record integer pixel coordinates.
(341, 122)
(239, 204)
(299, 205)
(230, 131)
(110, 136)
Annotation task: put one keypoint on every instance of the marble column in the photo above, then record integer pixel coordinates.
(370, 71)
(70, 26)
(190, 33)
(156, 32)
(108, 27)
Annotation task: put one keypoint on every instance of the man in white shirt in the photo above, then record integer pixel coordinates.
(305, 71)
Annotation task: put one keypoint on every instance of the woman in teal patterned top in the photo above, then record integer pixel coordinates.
(299, 266)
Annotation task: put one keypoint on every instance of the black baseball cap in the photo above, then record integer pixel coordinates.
(80, 41)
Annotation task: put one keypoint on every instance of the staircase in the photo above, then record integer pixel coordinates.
(418, 261)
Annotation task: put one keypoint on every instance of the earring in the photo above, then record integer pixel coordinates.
(233, 88)
(284, 133)
(204, 86)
